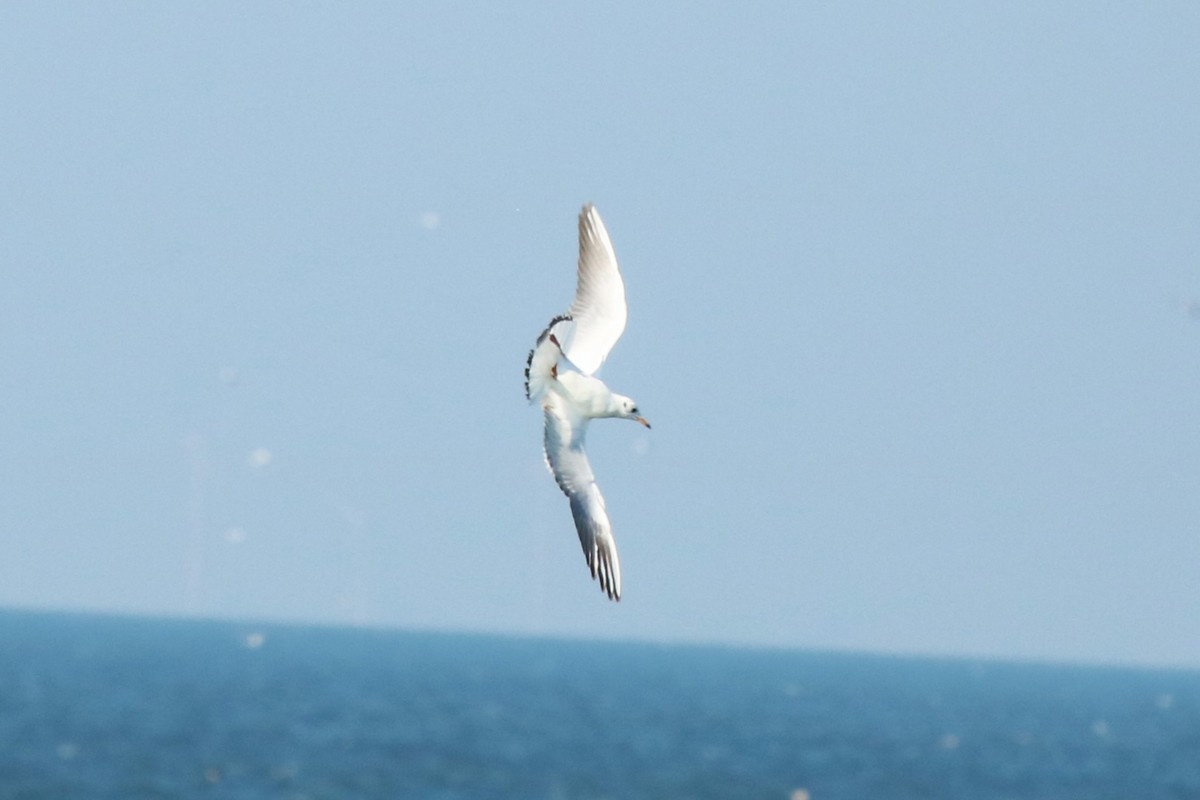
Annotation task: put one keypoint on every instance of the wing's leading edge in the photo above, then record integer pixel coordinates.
(599, 310)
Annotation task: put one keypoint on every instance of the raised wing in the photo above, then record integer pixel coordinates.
(599, 309)
(568, 461)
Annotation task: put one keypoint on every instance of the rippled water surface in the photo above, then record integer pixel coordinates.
(102, 707)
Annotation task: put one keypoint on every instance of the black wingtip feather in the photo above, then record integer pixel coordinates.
(528, 364)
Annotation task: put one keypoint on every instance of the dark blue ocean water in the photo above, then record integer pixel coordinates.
(101, 707)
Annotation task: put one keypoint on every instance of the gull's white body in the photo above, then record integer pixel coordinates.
(572, 398)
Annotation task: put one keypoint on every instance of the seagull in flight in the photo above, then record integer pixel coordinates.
(571, 398)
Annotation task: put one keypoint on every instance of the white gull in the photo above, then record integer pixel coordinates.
(570, 398)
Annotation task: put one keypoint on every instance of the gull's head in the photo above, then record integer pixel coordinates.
(628, 409)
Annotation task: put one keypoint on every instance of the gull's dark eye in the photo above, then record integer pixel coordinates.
(633, 410)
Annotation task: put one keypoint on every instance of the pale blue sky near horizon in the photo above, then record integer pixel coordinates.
(913, 310)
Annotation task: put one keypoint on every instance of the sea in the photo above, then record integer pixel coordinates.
(112, 707)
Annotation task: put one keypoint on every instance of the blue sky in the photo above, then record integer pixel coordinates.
(911, 294)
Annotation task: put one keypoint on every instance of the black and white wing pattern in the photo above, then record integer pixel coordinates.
(541, 367)
(599, 310)
(567, 460)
